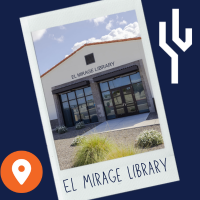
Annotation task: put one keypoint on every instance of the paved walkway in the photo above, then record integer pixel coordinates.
(134, 121)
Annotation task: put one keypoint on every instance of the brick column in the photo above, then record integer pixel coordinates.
(58, 110)
(98, 101)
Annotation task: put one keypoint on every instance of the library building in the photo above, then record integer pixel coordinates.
(98, 82)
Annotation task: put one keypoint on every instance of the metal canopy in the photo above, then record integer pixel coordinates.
(116, 73)
(70, 87)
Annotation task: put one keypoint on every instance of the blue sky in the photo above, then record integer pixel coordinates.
(53, 44)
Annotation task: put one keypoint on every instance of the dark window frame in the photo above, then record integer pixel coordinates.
(76, 99)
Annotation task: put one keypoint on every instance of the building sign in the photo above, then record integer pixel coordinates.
(92, 70)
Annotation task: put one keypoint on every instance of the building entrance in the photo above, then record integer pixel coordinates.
(124, 102)
(124, 96)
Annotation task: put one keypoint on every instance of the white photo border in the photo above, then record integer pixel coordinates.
(85, 12)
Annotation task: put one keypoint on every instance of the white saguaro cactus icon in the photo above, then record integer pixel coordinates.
(175, 37)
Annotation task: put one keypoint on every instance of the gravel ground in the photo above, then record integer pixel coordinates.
(72, 132)
(127, 137)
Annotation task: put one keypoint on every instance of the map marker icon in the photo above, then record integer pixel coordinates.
(21, 169)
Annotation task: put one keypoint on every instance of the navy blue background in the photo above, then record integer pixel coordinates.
(21, 127)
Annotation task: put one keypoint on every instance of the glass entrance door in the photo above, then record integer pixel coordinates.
(118, 102)
(124, 101)
(129, 100)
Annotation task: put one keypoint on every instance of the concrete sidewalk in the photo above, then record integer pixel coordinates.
(134, 121)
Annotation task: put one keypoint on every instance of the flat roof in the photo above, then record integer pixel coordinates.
(89, 44)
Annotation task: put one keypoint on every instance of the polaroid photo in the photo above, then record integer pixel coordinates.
(99, 99)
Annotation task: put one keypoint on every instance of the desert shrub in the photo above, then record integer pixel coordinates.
(78, 140)
(149, 138)
(122, 151)
(92, 150)
(80, 125)
(61, 129)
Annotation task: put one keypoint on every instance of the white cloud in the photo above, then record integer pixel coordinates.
(59, 39)
(123, 22)
(62, 27)
(78, 45)
(98, 20)
(130, 31)
(37, 35)
(66, 56)
(109, 25)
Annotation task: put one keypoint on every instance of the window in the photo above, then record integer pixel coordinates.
(71, 95)
(104, 86)
(118, 82)
(140, 97)
(63, 97)
(135, 78)
(89, 59)
(79, 93)
(87, 91)
(78, 106)
(91, 108)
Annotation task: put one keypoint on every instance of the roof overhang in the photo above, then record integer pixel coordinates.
(70, 87)
(116, 73)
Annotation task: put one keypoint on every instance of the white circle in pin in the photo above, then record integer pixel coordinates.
(21, 176)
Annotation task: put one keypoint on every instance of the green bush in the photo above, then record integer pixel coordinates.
(61, 129)
(78, 140)
(149, 138)
(80, 125)
(92, 150)
(119, 152)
